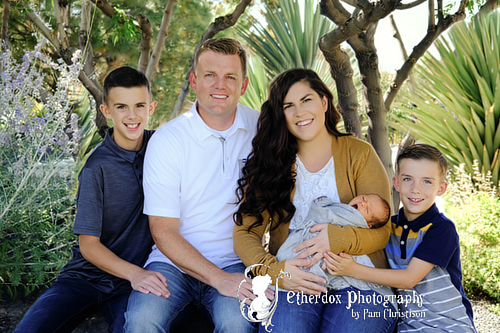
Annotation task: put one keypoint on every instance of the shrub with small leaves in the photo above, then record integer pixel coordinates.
(38, 137)
(471, 202)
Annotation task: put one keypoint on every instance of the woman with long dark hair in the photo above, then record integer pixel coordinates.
(298, 155)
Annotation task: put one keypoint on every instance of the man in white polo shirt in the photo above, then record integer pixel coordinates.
(190, 173)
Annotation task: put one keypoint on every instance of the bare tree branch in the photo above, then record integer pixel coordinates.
(160, 39)
(488, 7)
(46, 32)
(89, 69)
(432, 19)
(105, 7)
(219, 24)
(440, 12)
(360, 4)
(413, 4)
(334, 11)
(420, 49)
(397, 36)
(60, 24)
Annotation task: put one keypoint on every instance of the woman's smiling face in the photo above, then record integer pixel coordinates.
(305, 112)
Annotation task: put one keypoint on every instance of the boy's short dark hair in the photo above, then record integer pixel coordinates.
(126, 77)
(226, 46)
(423, 151)
(382, 220)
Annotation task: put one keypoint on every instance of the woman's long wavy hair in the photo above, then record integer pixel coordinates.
(267, 180)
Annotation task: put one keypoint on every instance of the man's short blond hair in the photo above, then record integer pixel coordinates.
(225, 46)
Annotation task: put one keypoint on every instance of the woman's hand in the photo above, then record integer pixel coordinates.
(302, 281)
(316, 245)
(342, 264)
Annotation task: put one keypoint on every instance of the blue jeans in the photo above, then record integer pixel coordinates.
(63, 306)
(299, 313)
(148, 313)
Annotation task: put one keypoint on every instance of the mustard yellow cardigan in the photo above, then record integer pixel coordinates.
(358, 170)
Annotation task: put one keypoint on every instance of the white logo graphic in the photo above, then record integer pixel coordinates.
(261, 309)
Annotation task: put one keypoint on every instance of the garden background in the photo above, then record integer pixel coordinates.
(55, 55)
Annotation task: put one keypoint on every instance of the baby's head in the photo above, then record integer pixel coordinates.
(374, 209)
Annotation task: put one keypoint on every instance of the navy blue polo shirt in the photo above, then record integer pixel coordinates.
(110, 201)
(433, 238)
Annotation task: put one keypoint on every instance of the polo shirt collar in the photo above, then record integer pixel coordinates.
(420, 221)
(203, 131)
(127, 155)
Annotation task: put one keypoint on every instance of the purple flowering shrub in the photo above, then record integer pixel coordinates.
(38, 138)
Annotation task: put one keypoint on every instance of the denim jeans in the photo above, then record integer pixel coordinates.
(147, 313)
(328, 313)
(63, 306)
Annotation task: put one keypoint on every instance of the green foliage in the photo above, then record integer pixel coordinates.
(457, 105)
(283, 37)
(124, 27)
(37, 142)
(471, 202)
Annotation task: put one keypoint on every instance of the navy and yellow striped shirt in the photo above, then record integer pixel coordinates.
(438, 300)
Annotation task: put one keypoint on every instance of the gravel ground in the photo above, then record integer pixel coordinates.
(11, 313)
(485, 320)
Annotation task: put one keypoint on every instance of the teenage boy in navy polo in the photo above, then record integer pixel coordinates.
(423, 250)
(114, 236)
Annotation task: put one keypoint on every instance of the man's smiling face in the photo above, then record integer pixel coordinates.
(218, 81)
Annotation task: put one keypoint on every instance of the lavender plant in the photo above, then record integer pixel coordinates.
(38, 137)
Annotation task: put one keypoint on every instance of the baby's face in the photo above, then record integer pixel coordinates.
(370, 206)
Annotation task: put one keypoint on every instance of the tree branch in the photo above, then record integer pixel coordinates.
(46, 32)
(86, 77)
(219, 24)
(397, 36)
(488, 7)
(160, 40)
(334, 10)
(145, 43)
(105, 7)
(413, 4)
(60, 24)
(432, 19)
(420, 49)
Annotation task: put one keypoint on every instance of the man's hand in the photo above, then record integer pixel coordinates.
(316, 245)
(230, 282)
(302, 281)
(150, 282)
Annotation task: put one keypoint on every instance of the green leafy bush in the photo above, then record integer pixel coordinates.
(38, 139)
(471, 202)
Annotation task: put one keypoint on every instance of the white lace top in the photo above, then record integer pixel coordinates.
(309, 186)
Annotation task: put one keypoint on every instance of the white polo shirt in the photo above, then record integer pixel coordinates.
(191, 173)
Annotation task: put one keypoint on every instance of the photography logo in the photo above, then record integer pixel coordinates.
(261, 309)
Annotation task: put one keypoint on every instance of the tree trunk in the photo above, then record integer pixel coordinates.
(488, 7)
(342, 72)
(88, 66)
(5, 26)
(366, 53)
(160, 39)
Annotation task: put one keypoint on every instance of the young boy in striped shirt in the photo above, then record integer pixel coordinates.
(423, 250)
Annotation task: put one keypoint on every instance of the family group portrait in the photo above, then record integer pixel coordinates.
(245, 166)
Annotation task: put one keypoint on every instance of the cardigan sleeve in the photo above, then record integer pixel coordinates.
(248, 246)
(363, 173)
